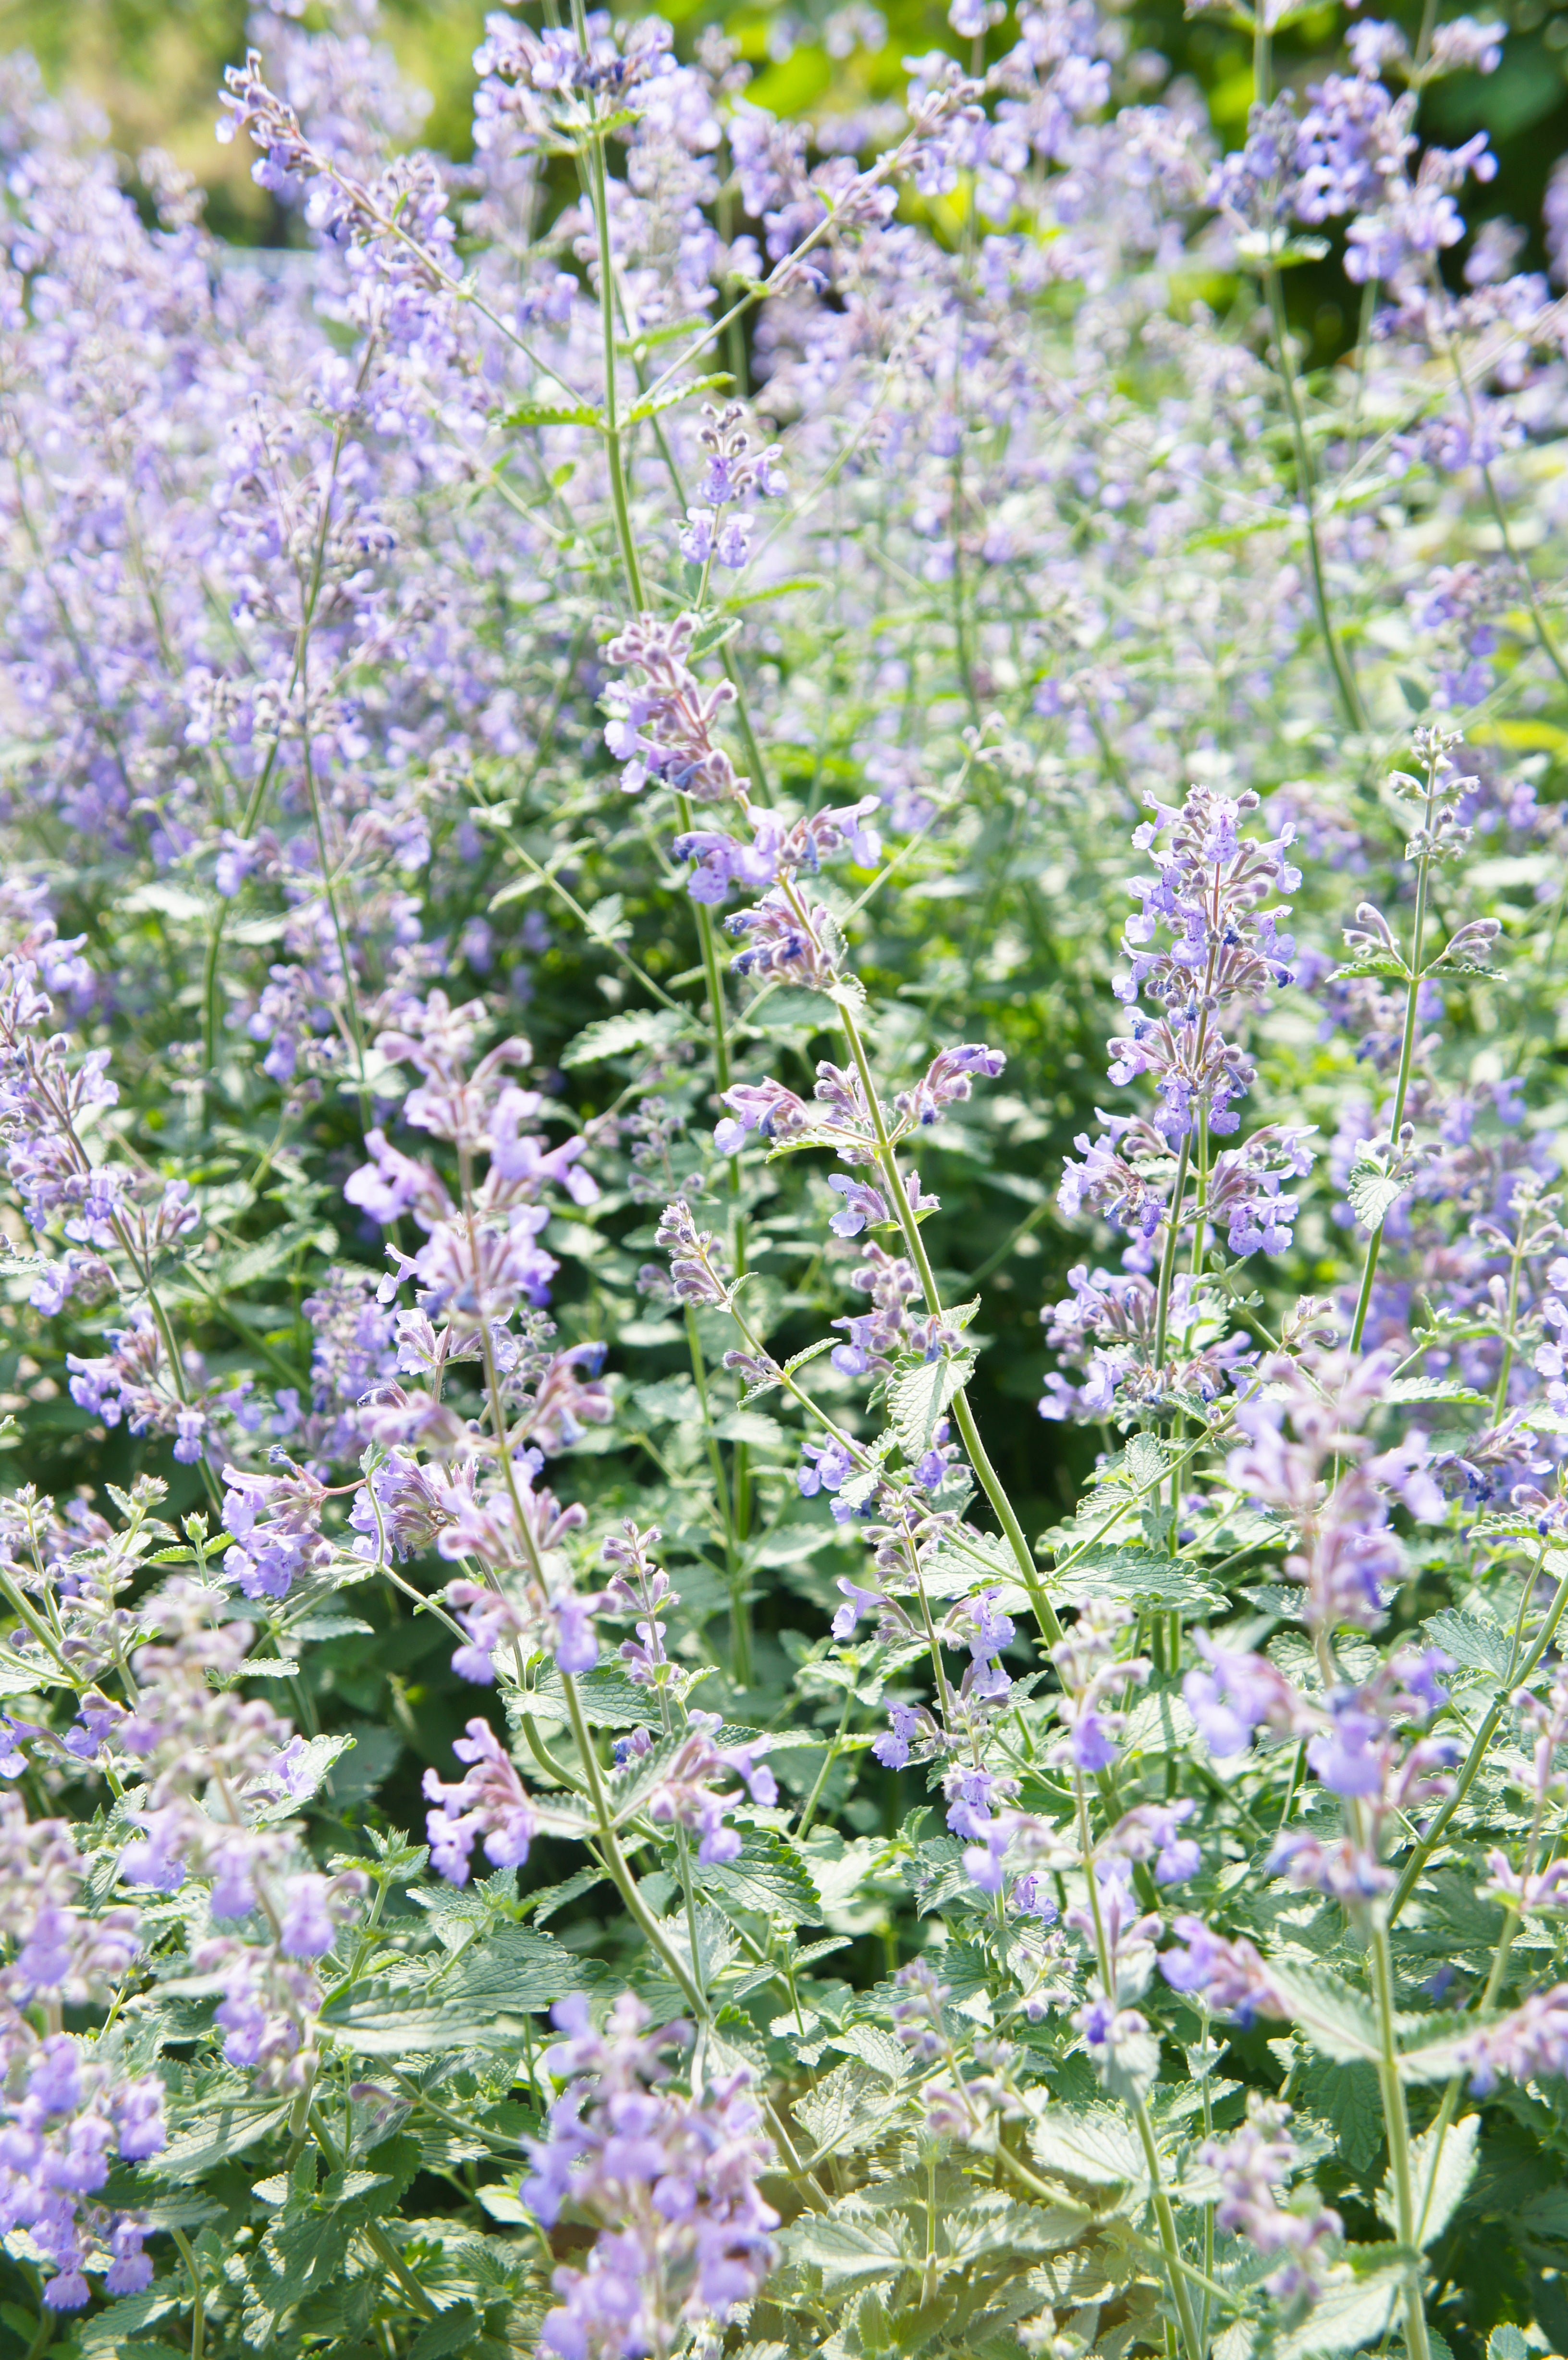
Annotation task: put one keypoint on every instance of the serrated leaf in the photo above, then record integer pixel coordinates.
(746, 1426)
(306, 1771)
(609, 1698)
(1140, 1576)
(510, 1968)
(615, 1036)
(1438, 2180)
(606, 920)
(768, 1876)
(1507, 2343)
(1476, 1643)
(714, 633)
(1348, 2097)
(1373, 1192)
(554, 1898)
(652, 404)
(388, 2024)
(1430, 1389)
(993, 2225)
(1098, 2148)
(1338, 2020)
(796, 1361)
(217, 2133)
(1351, 2311)
(555, 413)
(939, 1874)
(849, 2107)
(919, 1394)
(1381, 963)
(851, 2248)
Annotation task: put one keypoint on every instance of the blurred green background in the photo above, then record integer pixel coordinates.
(154, 65)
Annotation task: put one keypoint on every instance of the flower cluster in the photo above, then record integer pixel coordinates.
(667, 2177)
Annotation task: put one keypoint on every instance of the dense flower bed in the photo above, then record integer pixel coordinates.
(784, 1296)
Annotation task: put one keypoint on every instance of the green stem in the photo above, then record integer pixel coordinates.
(1345, 678)
(964, 1416)
(828, 1758)
(198, 2305)
(1173, 1234)
(253, 810)
(1177, 2267)
(1170, 2245)
(1397, 2123)
(1476, 1755)
(1406, 1045)
(1504, 1371)
(653, 1933)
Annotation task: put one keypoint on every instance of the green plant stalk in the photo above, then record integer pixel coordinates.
(740, 1621)
(740, 1635)
(828, 1758)
(253, 810)
(1171, 2243)
(1500, 1393)
(1544, 638)
(340, 932)
(198, 2305)
(1407, 1047)
(964, 1416)
(653, 1933)
(1476, 1755)
(1397, 2123)
(1339, 662)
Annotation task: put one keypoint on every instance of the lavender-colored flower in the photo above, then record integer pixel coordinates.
(668, 2176)
(490, 1800)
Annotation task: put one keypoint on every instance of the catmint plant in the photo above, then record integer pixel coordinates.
(784, 1291)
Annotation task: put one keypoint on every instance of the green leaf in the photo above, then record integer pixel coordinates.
(1454, 2170)
(1372, 1191)
(850, 2106)
(1431, 1389)
(1384, 963)
(106, 2331)
(769, 1877)
(747, 1425)
(852, 2246)
(918, 1395)
(544, 1904)
(1351, 2312)
(615, 1037)
(605, 1696)
(555, 413)
(309, 2252)
(714, 633)
(1338, 2021)
(993, 2224)
(796, 1361)
(1475, 1642)
(1507, 2343)
(1098, 2148)
(1140, 1575)
(307, 1770)
(652, 404)
(512, 1968)
(606, 920)
(387, 2024)
(215, 2134)
(452, 2330)
(1349, 2097)
(1272, 249)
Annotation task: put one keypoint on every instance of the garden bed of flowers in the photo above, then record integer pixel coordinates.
(783, 1292)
